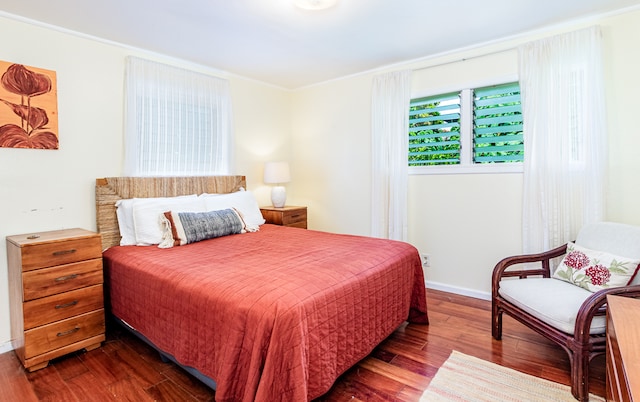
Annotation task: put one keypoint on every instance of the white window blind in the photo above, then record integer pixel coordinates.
(178, 122)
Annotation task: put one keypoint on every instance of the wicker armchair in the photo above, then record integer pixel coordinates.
(566, 314)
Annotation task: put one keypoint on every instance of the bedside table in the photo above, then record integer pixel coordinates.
(286, 216)
(56, 295)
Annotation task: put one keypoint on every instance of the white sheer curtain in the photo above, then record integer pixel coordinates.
(390, 142)
(177, 122)
(561, 80)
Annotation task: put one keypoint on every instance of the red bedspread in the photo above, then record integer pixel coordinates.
(274, 315)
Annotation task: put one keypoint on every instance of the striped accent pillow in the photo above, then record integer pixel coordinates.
(180, 228)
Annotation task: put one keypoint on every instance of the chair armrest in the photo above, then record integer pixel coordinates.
(595, 305)
(500, 270)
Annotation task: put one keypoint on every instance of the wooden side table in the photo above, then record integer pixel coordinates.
(286, 216)
(623, 349)
(56, 294)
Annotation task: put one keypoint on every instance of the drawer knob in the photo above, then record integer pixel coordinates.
(69, 332)
(66, 277)
(64, 252)
(65, 305)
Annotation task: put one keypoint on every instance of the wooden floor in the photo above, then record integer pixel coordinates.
(125, 369)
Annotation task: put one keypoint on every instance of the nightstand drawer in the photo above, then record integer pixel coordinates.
(64, 305)
(41, 255)
(49, 281)
(295, 217)
(62, 333)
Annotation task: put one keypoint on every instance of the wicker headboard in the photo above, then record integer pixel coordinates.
(111, 189)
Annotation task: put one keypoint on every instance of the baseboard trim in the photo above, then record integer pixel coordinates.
(6, 347)
(458, 290)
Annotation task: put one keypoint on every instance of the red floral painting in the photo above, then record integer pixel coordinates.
(28, 107)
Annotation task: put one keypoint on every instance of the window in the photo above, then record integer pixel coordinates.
(474, 130)
(434, 130)
(178, 122)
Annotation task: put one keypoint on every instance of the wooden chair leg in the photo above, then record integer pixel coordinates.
(580, 375)
(496, 322)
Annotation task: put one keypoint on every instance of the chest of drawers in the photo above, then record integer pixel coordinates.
(56, 294)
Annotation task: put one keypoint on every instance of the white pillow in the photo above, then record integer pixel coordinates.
(124, 213)
(243, 201)
(147, 213)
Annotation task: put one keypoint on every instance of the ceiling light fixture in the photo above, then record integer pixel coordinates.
(315, 4)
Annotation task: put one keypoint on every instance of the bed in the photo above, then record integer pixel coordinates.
(273, 314)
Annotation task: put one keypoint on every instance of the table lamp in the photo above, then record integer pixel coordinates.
(277, 173)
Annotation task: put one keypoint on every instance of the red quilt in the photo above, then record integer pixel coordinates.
(273, 315)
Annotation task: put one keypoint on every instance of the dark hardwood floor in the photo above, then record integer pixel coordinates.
(126, 369)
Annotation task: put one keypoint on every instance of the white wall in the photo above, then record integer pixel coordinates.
(48, 190)
(465, 222)
(622, 55)
(332, 155)
(262, 125)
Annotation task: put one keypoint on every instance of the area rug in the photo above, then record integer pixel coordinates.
(469, 379)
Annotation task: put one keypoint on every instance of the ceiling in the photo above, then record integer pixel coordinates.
(274, 42)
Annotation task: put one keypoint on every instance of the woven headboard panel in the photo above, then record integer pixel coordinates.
(111, 189)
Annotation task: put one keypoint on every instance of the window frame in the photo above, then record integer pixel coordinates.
(466, 165)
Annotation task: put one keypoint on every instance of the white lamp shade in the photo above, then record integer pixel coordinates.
(276, 172)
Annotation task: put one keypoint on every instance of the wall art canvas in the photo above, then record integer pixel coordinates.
(28, 107)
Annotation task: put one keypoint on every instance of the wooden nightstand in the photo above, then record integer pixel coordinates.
(56, 296)
(286, 216)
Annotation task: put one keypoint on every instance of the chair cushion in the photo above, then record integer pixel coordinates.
(553, 301)
(595, 270)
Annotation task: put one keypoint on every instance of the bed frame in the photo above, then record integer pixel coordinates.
(111, 189)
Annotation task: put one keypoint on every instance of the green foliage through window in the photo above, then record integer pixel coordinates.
(434, 130)
(437, 127)
(497, 124)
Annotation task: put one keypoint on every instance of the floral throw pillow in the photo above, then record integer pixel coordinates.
(595, 270)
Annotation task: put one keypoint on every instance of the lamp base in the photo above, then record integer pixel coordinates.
(278, 196)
